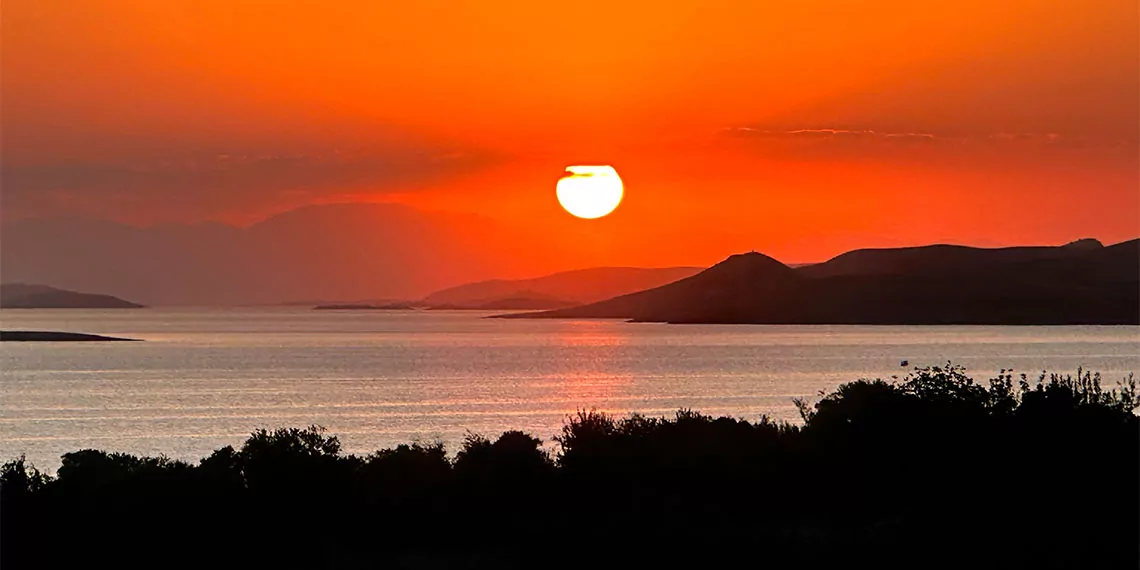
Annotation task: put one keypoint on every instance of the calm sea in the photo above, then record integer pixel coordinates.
(206, 378)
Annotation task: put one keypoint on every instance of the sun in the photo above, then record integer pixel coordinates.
(590, 191)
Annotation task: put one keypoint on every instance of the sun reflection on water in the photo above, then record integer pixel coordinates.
(594, 376)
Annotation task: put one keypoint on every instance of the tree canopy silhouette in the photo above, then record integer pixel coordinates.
(933, 470)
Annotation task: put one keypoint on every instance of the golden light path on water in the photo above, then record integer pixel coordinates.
(205, 378)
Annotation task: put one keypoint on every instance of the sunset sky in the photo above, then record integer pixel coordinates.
(801, 129)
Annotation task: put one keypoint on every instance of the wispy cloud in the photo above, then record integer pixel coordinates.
(224, 180)
(1039, 139)
(827, 132)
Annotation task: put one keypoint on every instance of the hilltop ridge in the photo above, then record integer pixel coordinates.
(31, 296)
(1078, 283)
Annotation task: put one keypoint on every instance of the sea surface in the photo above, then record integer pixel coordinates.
(205, 378)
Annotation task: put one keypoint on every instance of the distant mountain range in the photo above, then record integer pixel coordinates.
(332, 254)
(562, 289)
(349, 253)
(365, 307)
(339, 253)
(25, 296)
(1079, 283)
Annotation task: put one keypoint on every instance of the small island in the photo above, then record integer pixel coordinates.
(365, 307)
(55, 336)
(520, 301)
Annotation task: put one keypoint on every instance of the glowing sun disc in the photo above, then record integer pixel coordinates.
(590, 191)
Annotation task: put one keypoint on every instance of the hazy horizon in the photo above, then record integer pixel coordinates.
(386, 151)
(323, 253)
(802, 130)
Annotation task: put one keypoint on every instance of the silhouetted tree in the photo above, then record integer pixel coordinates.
(934, 470)
(19, 478)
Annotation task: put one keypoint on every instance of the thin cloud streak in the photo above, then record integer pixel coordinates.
(1049, 139)
(829, 132)
(207, 184)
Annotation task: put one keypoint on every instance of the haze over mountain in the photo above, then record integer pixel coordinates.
(518, 301)
(328, 254)
(343, 252)
(25, 296)
(1080, 283)
(335, 254)
(574, 287)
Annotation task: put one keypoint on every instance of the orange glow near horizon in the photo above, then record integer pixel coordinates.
(799, 129)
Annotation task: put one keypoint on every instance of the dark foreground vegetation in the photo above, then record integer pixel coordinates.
(933, 470)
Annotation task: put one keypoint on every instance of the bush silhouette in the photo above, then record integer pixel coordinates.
(515, 458)
(294, 462)
(18, 479)
(405, 474)
(933, 470)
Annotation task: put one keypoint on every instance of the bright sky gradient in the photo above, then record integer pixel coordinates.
(800, 129)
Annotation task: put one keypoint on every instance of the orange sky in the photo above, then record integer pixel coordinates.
(801, 129)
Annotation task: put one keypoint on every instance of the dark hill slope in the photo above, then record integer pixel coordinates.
(939, 259)
(25, 296)
(742, 284)
(931, 285)
(579, 286)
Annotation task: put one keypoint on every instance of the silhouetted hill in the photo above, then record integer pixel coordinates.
(938, 259)
(338, 253)
(1075, 284)
(524, 302)
(520, 301)
(331, 254)
(365, 307)
(25, 296)
(738, 284)
(55, 336)
(567, 287)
